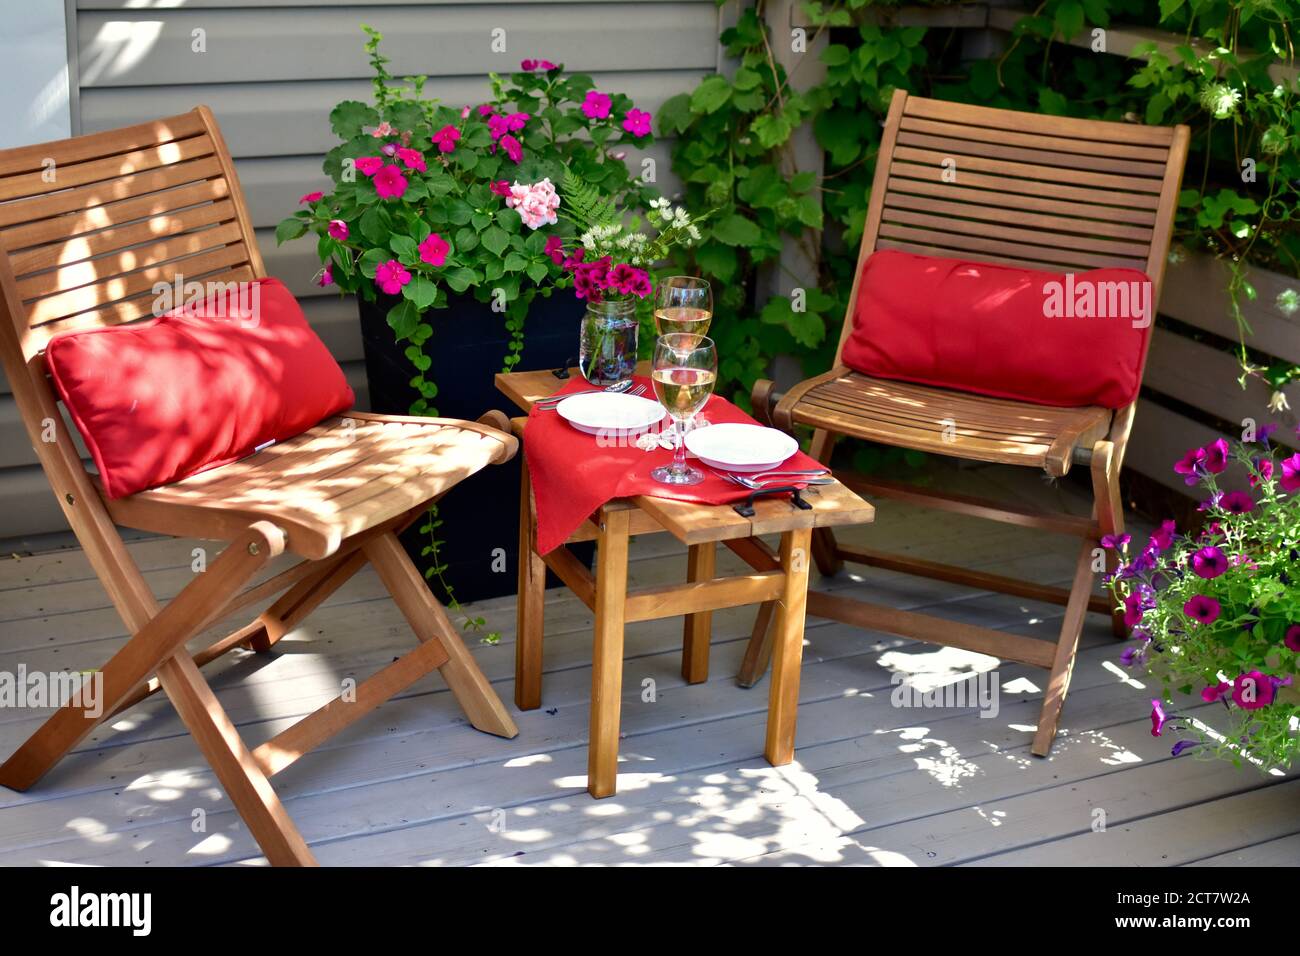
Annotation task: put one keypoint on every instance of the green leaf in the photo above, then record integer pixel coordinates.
(736, 230)
(403, 318)
(371, 260)
(288, 229)
(538, 271)
(675, 114)
(349, 117)
(495, 239)
(717, 261)
(711, 94)
(459, 278)
(515, 262)
(1069, 19)
(405, 247)
(422, 291)
(1169, 7)
(836, 54)
(375, 225)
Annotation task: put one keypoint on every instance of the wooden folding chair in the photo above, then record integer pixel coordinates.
(1031, 191)
(82, 248)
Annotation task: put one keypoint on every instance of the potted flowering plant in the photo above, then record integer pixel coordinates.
(438, 210)
(606, 268)
(1217, 615)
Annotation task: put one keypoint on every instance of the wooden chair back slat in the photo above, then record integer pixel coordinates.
(88, 226)
(1021, 189)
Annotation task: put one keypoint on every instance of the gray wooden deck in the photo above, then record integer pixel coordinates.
(872, 783)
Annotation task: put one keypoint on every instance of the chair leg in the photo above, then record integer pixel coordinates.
(1110, 514)
(166, 632)
(607, 654)
(304, 597)
(824, 549)
(430, 623)
(244, 782)
(530, 607)
(1058, 682)
(701, 563)
(758, 652)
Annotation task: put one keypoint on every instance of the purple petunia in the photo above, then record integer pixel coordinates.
(1209, 562)
(1203, 609)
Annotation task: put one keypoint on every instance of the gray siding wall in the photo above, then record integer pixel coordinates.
(271, 73)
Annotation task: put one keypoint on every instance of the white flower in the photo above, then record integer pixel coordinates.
(1278, 402)
(1220, 99)
(681, 217)
(1288, 302)
(693, 232)
(660, 203)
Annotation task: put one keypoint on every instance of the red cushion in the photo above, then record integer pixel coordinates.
(200, 387)
(1002, 331)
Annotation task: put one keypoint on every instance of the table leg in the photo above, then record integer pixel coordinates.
(531, 603)
(607, 653)
(701, 561)
(787, 647)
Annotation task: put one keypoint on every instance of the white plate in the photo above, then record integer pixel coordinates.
(610, 413)
(737, 447)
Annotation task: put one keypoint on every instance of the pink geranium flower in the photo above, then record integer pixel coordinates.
(311, 197)
(383, 129)
(512, 148)
(390, 183)
(445, 138)
(596, 105)
(536, 204)
(465, 111)
(1202, 609)
(637, 122)
(337, 229)
(326, 277)
(369, 165)
(629, 280)
(391, 276)
(1290, 480)
(434, 249)
(413, 159)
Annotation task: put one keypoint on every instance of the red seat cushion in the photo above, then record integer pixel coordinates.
(200, 387)
(1041, 337)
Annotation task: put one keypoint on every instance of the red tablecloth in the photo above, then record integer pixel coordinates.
(573, 473)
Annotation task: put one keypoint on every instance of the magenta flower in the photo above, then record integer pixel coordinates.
(1115, 542)
(1253, 690)
(413, 159)
(485, 109)
(311, 197)
(1191, 465)
(1264, 467)
(596, 105)
(515, 122)
(1214, 692)
(532, 66)
(497, 126)
(337, 229)
(1158, 718)
(1134, 608)
(1209, 562)
(555, 249)
(1237, 503)
(391, 276)
(574, 260)
(1292, 638)
(629, 280)
(1163, 539)
(512, 148)
(326, 277)
(501, 187)
(445, 138)
(369, 165)
(465, 111)
(1216, 456)
(637, 122)
(585, 287)
(1202, 609)
(434, 249)
(1290, 479)
(390, 183)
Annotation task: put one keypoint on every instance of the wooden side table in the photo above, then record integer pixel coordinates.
(781, 588)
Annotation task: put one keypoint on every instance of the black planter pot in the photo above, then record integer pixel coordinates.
(481, 515)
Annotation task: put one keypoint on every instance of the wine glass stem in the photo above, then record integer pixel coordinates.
(679, 451)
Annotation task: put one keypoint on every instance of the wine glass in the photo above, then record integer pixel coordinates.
(683, 304)
(684, 369)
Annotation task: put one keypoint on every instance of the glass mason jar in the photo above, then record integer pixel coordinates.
(607, 348)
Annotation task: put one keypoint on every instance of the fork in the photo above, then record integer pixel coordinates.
(626, 388)
(756, 485)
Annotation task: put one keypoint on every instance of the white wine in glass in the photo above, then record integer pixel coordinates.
(683, 371)
(683, 304)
